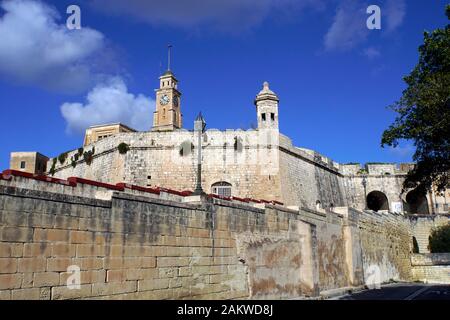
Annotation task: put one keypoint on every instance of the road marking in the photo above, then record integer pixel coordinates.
(417, 293)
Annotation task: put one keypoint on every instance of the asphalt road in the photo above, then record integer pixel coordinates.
(404, 292)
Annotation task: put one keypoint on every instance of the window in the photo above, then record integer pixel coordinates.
(272, 116)
(23, 165)
(222, 189)
(263, 117)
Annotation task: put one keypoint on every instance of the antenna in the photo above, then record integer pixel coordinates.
(169, 49)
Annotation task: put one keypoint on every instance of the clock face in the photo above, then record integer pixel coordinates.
(164, 100)
(175, 101)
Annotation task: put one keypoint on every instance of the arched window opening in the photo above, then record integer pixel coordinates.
(222, 189)
(416, 203)
(377, 200)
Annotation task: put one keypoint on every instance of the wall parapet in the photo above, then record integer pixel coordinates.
(430, 259)
(431, 267)
(156, 244)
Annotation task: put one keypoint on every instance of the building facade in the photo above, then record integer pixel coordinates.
(30, 162)
(261, 163)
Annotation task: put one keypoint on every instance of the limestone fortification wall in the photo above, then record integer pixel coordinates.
(250, 165)
(431, 267)
(422, 226)
(257, 163)
(308, 177)
(262, 164)
(132, 242)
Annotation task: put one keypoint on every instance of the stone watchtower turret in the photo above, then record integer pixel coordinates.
(266, 103)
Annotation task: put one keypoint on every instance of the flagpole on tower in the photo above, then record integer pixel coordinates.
(169, 49)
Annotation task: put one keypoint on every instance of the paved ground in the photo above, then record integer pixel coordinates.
(403, 292)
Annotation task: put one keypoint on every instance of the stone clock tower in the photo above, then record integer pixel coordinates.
(167, 116)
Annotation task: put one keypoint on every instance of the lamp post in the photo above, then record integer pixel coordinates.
(199, 128)
(364, 183)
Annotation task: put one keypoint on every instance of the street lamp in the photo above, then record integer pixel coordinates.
(364, 183)
(199, 127)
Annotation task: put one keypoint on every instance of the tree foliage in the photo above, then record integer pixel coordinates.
(123, 148)
(424, 113)
(440, 240)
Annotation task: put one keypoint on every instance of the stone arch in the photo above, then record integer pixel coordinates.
(377, 200)
(416, 203)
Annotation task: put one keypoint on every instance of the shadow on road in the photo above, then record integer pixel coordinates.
(404, 292)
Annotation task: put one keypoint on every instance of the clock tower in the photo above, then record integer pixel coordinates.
(167, 116)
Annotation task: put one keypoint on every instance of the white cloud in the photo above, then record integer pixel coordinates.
(349, 29)
(371, 53)
(405, 151)
(35, 49)
(394, 12)
(230, 16)
(109, 102)
(349, 26)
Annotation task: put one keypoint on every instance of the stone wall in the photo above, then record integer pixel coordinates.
(386, 246)
(245, 159)
(257, 163)
(307, 177)
(422, 226)
(431, 267)
(132, 242)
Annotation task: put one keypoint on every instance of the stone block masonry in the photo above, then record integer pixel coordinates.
(431, 267)
(142, 243)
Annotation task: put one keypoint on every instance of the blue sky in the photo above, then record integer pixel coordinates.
(335, 78)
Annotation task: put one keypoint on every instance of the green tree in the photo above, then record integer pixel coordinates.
(424, 113)
(123, 148)
(439, 241)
